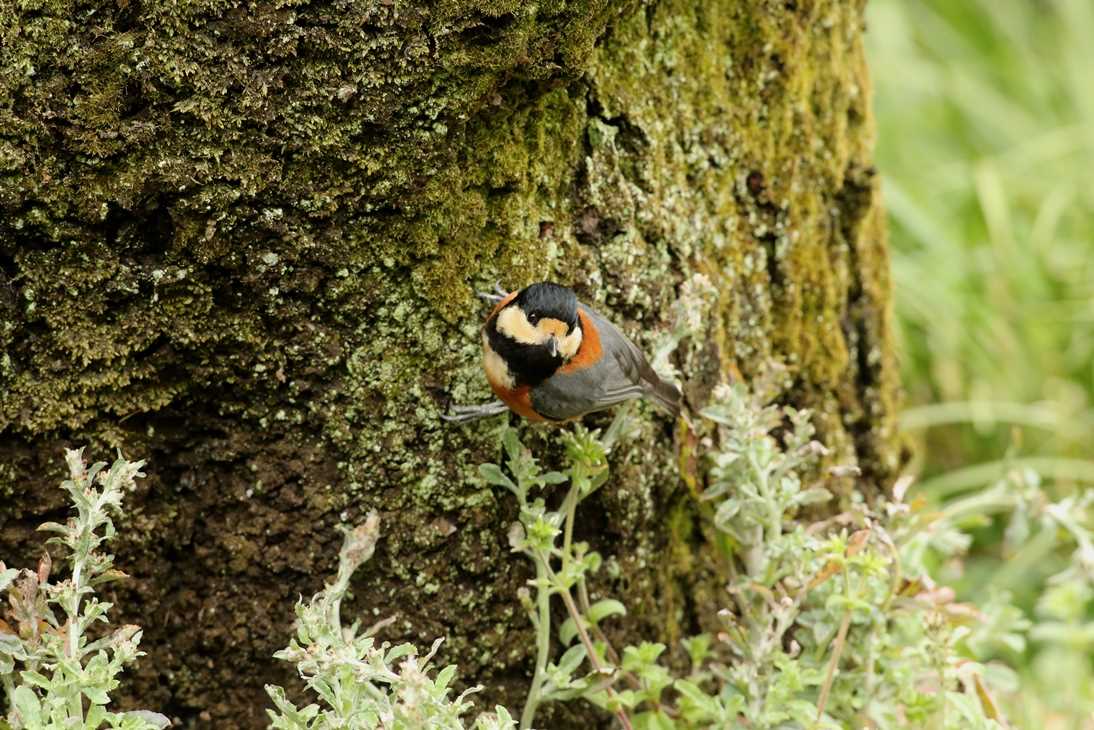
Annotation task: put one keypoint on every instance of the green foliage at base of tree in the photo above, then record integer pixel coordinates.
(57, 668)
(825, 622)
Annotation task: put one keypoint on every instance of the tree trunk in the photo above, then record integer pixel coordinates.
(241, 240)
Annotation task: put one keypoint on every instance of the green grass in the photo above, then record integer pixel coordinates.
(985, 112)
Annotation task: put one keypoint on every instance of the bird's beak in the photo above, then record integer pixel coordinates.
(553, 346)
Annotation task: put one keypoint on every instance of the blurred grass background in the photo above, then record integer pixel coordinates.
(985, 115)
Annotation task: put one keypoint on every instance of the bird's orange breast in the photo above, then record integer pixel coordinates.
(518, 399)
(590, 352)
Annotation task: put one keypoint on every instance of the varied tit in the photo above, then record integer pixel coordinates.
(549, 357)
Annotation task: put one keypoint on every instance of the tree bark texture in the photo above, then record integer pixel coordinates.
(241, 240)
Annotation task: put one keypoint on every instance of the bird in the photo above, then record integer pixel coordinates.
(550, 357)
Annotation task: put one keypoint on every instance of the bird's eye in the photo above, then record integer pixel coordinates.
(533, 318)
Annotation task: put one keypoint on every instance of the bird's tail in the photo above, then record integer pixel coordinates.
(663, 393)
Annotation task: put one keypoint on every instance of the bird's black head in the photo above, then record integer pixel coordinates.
(537, 332)
(544, 301)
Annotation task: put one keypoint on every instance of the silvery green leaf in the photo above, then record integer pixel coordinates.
(576, 688)
(1001, 677)
(500, 719)
(290, 716)
(53, 527)
(653, 720)
(493, 474)
(805, 713)
(96, 695)
(398, 652)
(567, 632)
(150, 719)
(604, 608)
(27, 707)
(324, 690)
(813, 495)
(511, 442)
(635, 658)
(572, 659)
(727, 510)
(697, 706)
(445, 677)
(718, 414)
(970, 710)
(97, 715)
(35, 679)
(10, 644)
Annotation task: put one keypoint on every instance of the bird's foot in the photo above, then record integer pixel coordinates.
(463, 414)
(496, 296)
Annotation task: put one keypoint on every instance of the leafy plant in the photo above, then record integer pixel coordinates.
(546, 537)
(359, 683)
(54, 670)
(826, 624)
(1053, 535)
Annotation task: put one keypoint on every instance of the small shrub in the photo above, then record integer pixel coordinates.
(824, 624)
(54, 673)
(359, 683)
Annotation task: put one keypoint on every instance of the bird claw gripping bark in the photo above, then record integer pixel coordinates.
(464, 414)
(496, 296)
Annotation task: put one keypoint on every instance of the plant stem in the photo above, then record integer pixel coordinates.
(609, 650)
(81, 554)
(569, 506)
(590, 650)
(829, 677)
(773, 527)
(543, 645)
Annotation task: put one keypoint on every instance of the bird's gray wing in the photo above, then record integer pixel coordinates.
(623, 373)
(633, 361)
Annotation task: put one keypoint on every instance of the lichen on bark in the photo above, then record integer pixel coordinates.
(242, 240)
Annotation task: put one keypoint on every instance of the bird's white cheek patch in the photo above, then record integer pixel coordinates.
(497, 372)
(570, 344)
(513, 323)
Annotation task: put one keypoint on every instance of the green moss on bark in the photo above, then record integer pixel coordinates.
(243, 241)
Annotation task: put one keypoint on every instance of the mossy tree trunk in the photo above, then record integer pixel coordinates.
(241, 239)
